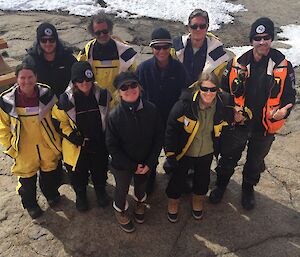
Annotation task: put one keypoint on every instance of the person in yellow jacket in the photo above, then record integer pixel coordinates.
(29, 137)
(80, 117)
(107, 54)
(199, 50)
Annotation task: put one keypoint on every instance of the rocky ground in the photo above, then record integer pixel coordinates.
(272, 229)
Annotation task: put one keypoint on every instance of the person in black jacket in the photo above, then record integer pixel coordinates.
(162, 79)
(53, 60)
(80, 116)
(134, 140)
(194, 125)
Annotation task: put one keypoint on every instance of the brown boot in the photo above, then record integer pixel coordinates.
(124, 221)
(173, 205)
(139, 212)
(198, 206)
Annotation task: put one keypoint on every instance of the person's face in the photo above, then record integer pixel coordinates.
(207, 96)
(26, 80)
(261, 44)
(48, 44)
(129, 92)
(84, 86)
(198, 28)
(161, 52)
(101, 32)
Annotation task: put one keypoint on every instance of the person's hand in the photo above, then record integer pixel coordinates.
(170, 164)
(238, 115)
(144, 170)
(279, 114)
(140, 169)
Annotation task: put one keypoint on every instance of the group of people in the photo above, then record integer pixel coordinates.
(103, 111)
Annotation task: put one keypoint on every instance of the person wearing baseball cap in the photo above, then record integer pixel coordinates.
(162, 79)
(262, 82)
(80, 116)
(134, 139)
(52, 59)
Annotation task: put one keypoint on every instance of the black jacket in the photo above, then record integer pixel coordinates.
(183, 122)
(134, 136)
(56, 74)
(162, 88)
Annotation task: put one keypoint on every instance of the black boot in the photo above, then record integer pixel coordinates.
(102, 197)
(248, 199)
(35, 211)
(82, 204)
(216, 195)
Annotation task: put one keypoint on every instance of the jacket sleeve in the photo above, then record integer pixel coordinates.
(28, 59)
(289, 91)
(173, 130)
(62, 125)
(156, 143)
(113, 143)
(6, 135)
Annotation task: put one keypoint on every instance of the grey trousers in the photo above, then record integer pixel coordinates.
(123, 179)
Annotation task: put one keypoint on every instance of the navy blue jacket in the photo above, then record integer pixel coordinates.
(162, 87)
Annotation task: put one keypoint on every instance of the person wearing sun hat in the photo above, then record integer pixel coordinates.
(134, 139)
(162, 79)
(262, 83)
(80, 117)
(53, 60)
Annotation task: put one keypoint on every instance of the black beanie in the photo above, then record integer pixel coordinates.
(260, 26)
(124, 77)
(46, 30)
(160, 36)
(82, 70)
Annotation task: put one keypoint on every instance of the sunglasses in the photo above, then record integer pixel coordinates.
(200, 26)
(127, 86)
(99, 32)
(258, 38)
(159, 47)
(49, 39)
(210, 89)
(80, 80)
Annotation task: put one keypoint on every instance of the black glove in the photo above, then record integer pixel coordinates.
(170, 164)
(91, 145)
(76, 138)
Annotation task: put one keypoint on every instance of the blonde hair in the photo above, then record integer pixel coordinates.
(207, 76)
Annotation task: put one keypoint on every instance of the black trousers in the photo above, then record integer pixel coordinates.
(201, 176)
(94, 164)
(49, 183)
(233, 143)
(123, 179)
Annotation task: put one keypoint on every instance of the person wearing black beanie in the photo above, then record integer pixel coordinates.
(53, 60)
(262, 83)
(80, 116)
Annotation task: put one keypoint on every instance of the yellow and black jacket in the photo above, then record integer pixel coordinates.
(10, 123)
(64, 119)
(216, 56)
(280, 81)
(183, 122)
(106, 70)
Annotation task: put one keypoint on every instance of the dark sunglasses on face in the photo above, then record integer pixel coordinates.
(127, 86)
(200, 26)
(80, 80)
(258, 38)
(210, 89)
(45, 39)
(99, 32)
(159, 47)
